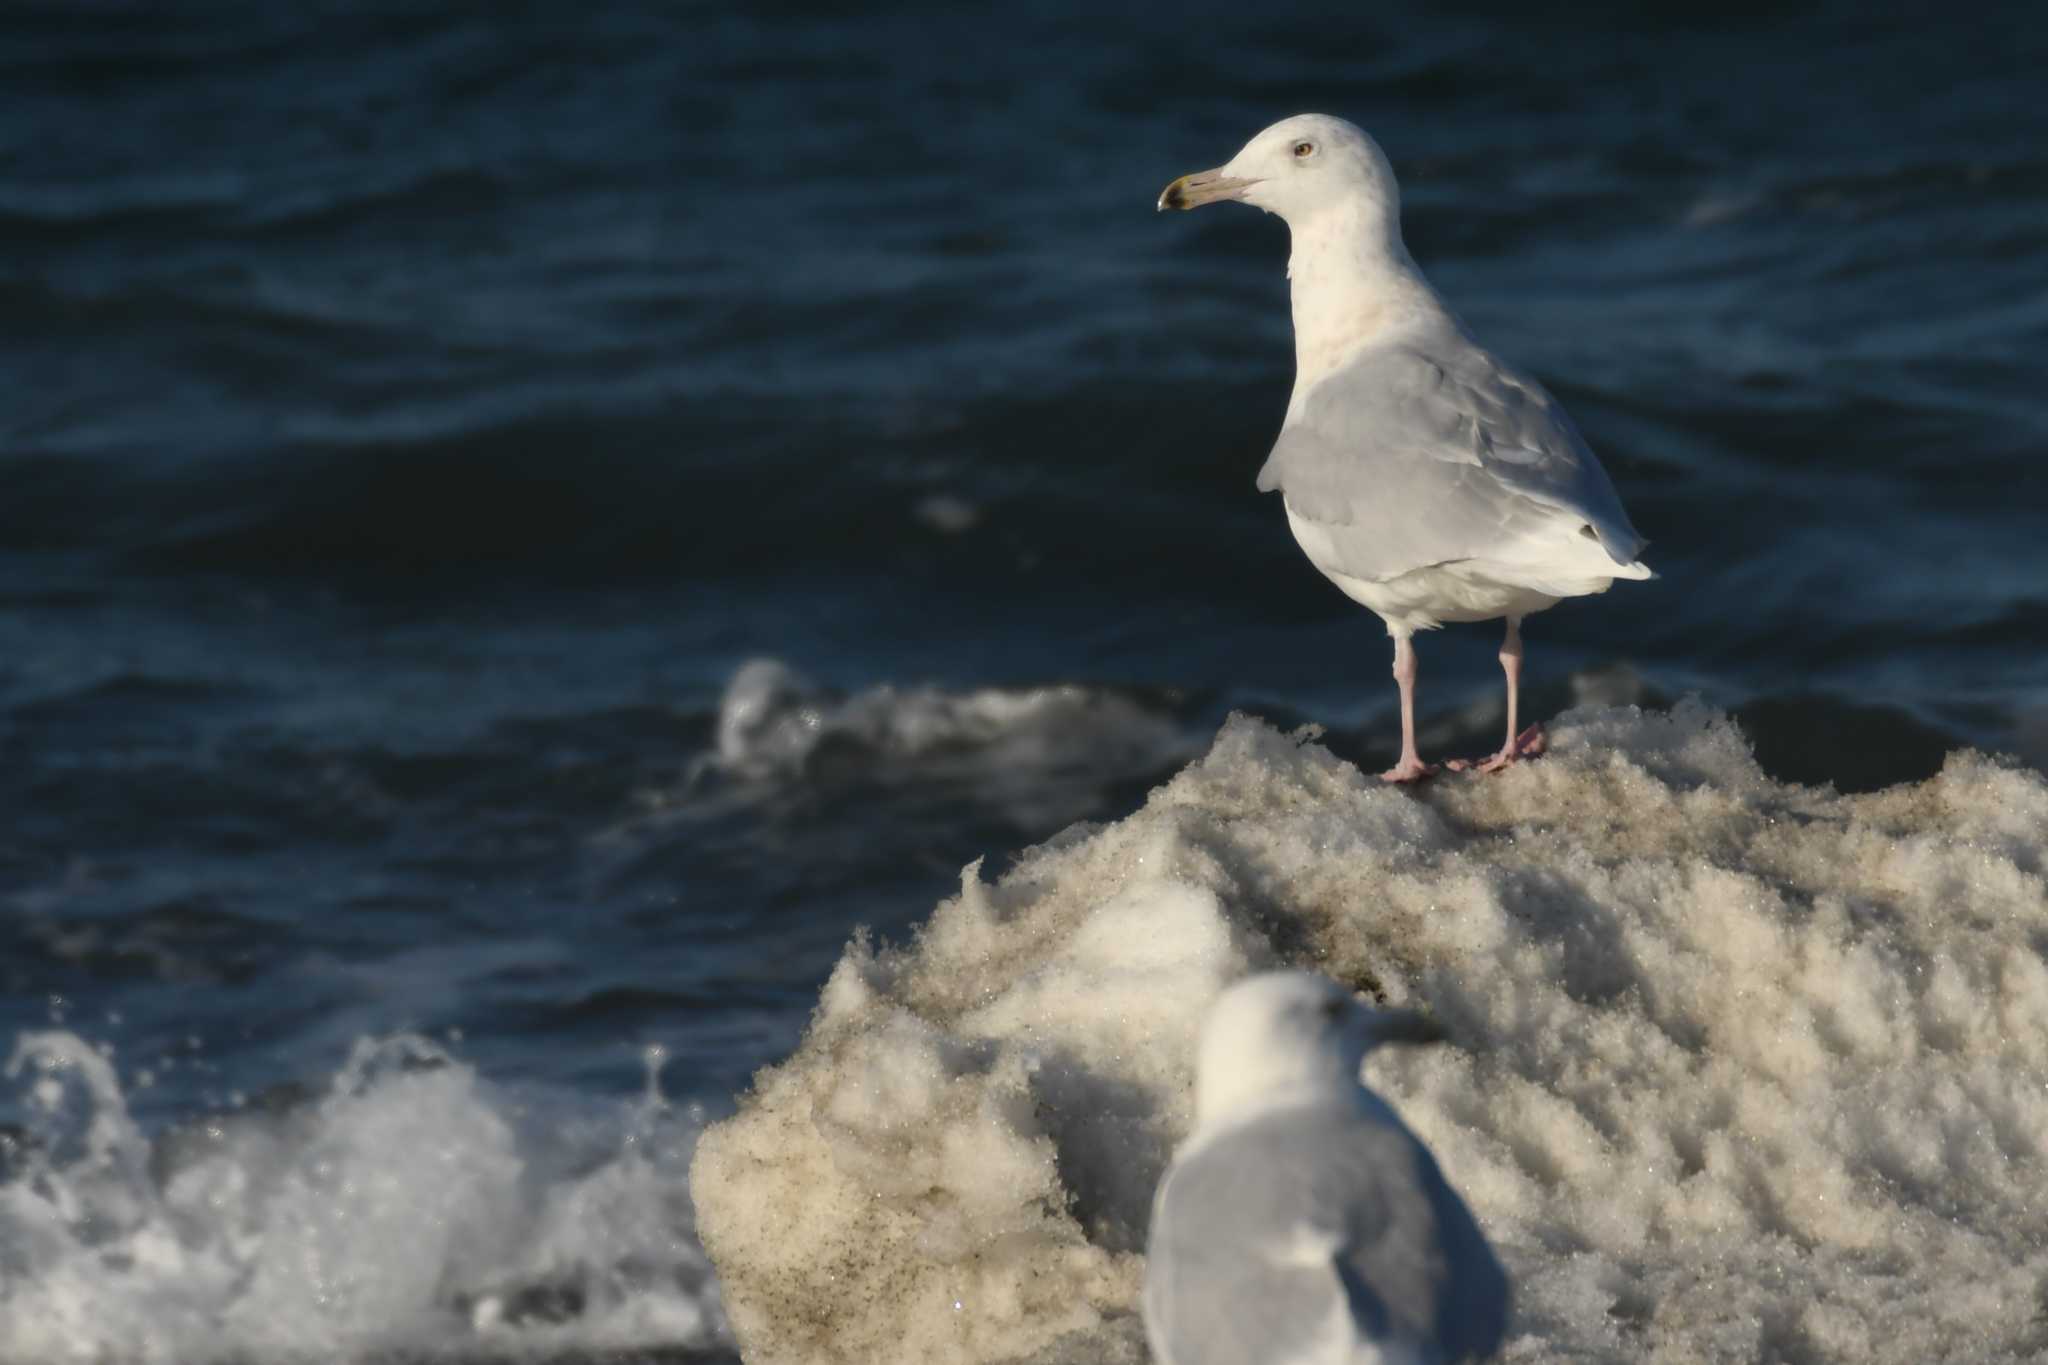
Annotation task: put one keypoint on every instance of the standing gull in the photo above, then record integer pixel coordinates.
(1302, 1223)
(1424, 477)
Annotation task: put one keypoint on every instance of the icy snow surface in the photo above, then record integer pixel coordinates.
(1738, 1070)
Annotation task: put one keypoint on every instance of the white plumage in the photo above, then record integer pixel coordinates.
(1302, 1223)
(1426, 478)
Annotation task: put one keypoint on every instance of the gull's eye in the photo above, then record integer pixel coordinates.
(1304, 150)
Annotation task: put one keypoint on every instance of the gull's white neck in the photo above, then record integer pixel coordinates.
(1353, 282)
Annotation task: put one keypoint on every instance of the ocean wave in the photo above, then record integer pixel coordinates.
(773, 722)
(411, 1211)
(1039, 756)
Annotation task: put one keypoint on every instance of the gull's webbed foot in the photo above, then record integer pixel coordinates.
(1528, 744)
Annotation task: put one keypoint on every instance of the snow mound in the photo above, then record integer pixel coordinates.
(1739, 1070)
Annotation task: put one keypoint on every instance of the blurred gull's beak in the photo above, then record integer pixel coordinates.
(1203, 187)
(1406, 1026)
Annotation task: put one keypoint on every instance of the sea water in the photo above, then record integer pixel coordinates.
(523, 527)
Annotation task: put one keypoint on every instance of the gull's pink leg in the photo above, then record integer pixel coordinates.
(1529, 742)
(1411, 767)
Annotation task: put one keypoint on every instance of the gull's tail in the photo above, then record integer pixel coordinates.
(1635, 569)
(1622, 544)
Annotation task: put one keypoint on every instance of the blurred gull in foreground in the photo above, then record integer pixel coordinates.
(1425, 478)
(1303, 1224)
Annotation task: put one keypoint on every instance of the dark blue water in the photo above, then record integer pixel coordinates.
(418, 414)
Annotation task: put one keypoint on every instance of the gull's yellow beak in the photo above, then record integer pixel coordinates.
(1203, 187)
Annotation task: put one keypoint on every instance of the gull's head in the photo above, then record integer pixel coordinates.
(1280, 1034)
(1296, 168)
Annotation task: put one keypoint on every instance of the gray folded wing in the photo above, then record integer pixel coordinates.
(1266, 1241)
(1432, 451)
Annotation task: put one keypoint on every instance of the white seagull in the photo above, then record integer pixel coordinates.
(1302, 1223)
(1427, 479)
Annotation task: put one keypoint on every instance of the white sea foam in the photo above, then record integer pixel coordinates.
(410, 1211)
(1739, 1070)
(772, 720)
(1039, 755)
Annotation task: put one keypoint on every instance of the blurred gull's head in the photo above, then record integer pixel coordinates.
(1280, 1036)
